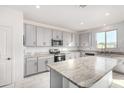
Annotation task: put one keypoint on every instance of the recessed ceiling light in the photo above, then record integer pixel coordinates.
(37, 6)
(82, 23)
(107, 14)
(104, 24)
(82, 6)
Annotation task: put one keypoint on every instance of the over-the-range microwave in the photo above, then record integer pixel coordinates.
(57, 42)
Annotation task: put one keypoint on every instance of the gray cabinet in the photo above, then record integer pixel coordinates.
(72, 39)
(76, 39)
(29, 35)
(34, 65)
(57, 35)
(44, 36)
(69, 56)
(42, 64)
(85, 40)
(50, 61)
(72, 55)
(30, 66)
(67, 39)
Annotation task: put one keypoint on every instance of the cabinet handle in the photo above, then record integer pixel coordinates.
(8, 58)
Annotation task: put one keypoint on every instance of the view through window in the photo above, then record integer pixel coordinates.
(106, 39)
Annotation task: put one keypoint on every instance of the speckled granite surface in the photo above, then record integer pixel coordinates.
(85, 71)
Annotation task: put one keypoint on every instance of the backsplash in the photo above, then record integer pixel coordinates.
(46, 49)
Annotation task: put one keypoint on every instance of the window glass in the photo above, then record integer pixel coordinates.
(111, 39)
(100, 37)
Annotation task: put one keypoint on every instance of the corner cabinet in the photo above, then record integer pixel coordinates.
(29, 35)
(44, 37)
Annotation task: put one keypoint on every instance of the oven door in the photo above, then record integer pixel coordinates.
(59, 58)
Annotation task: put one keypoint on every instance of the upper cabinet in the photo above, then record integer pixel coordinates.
(29, 35)
(85, 40)
(44, 36)
(77, 39)
(40, 37)
(70, 39)
(66, 39)
(57, 35)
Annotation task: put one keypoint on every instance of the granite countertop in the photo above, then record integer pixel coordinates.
(84, 71)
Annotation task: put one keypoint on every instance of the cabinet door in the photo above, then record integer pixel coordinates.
(69, 56)
(85, 40)
(30, 35)
(40, 37)
(48, 37)
(50, 61)
(66, 38)
(73, 39)
(44, 37)
(76, 39)
(42, 64)
(31, 66)
(57, 35)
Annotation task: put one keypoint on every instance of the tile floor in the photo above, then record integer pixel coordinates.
(43, 81)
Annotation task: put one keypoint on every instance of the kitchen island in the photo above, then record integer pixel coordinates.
(84, 72)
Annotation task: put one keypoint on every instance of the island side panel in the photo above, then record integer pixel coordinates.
(105, 82)
(56, 80)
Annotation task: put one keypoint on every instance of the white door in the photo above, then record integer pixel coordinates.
(5, 56)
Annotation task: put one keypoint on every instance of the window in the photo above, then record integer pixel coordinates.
(107, 39)
(100, 37)
(111, 39)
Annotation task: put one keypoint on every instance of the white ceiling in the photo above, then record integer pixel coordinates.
(70, 16)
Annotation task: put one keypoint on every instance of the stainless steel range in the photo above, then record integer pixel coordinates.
(58, 57)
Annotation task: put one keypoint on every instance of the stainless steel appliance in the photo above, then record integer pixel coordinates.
(57, 42)
(58, 57)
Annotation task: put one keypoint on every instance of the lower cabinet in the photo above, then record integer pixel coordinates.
(42, 64)
(35, 65)
(69, 56)
(72, 55)
(30, 66)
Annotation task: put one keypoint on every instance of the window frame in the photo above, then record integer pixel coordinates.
(106, 39)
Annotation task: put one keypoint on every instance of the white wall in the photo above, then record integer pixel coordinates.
(120, 36)
(14, 19)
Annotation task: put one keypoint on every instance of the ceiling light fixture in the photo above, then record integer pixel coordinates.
(104, 24)
(37, 6)
(82, 23)
(82, 6)
(107, 14)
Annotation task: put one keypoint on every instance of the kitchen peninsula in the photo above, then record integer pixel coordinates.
(84, 72)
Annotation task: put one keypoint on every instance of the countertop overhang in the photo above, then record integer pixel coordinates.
(85, 71)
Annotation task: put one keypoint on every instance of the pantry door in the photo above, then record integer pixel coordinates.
(5, 55)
